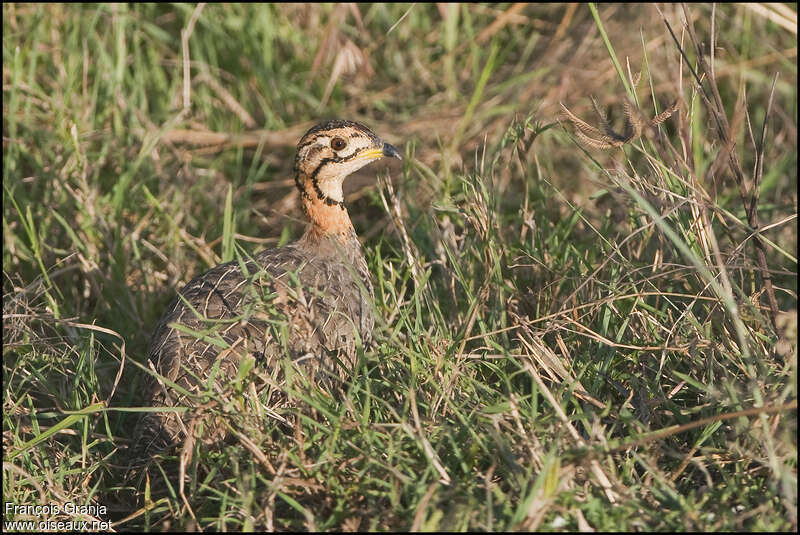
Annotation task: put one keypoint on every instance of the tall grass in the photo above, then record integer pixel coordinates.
(567, 337)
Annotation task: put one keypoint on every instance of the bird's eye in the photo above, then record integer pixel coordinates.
(338, 143)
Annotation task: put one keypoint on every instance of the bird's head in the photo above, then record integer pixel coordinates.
(329, 152)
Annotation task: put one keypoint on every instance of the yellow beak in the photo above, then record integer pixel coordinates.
(370, 154)
(374, 154)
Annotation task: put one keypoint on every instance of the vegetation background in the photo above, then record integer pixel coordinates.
(572, 337)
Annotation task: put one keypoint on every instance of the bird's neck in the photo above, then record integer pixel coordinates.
(325, 211)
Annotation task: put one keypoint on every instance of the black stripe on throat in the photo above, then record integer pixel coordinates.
(319, 193)
(332, 202)
(315, 181)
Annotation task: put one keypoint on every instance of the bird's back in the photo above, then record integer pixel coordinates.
(304, 305)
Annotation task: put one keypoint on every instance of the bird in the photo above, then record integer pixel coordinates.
(306, 304)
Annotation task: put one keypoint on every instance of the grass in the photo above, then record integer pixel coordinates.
(567, 337)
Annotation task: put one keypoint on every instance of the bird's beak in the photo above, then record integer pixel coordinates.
(391, 152)
(379, 152)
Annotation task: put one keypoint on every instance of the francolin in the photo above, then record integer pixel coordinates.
(304, 305)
